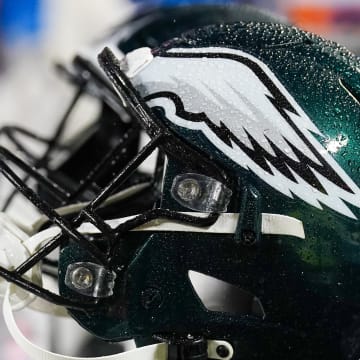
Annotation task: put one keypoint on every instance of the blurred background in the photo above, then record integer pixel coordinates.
(34, 34)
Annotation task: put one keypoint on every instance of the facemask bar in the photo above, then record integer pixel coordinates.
(60, 193)
(87, 80)
(161, 138)
(87, 214)
(139, 110)
(52, 144)
(99, 86)
(68, 228)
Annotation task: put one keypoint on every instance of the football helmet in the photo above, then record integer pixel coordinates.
(262, 126)
(96, 144)
(249, 248)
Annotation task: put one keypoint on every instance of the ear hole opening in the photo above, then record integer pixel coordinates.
(220, 296)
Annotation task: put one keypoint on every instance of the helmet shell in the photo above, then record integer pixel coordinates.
(111, 320)
(308, 285)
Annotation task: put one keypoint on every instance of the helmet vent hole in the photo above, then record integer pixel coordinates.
(220, 296)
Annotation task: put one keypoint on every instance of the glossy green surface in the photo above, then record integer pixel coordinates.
(310, 289)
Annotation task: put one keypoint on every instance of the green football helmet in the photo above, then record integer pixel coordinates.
(259, 124)
(249, 248)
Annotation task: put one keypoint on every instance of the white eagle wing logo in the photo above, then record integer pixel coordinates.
(263, 122)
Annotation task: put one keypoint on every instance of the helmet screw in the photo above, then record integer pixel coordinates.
(189, 189)
(222, 351)
(82, 278)
(248, 238)
(151, 298)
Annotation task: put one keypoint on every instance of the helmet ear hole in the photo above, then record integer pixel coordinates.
(220, 296)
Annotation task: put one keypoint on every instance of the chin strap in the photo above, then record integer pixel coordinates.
(151, 352)
(19, 245)
(271, 224)
(16, 246)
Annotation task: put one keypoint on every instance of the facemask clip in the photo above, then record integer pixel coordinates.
(200, 193)
(90, 279)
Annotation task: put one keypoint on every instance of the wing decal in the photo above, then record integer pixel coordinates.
(251, 118)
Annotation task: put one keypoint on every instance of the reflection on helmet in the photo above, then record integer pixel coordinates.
(247, 230)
